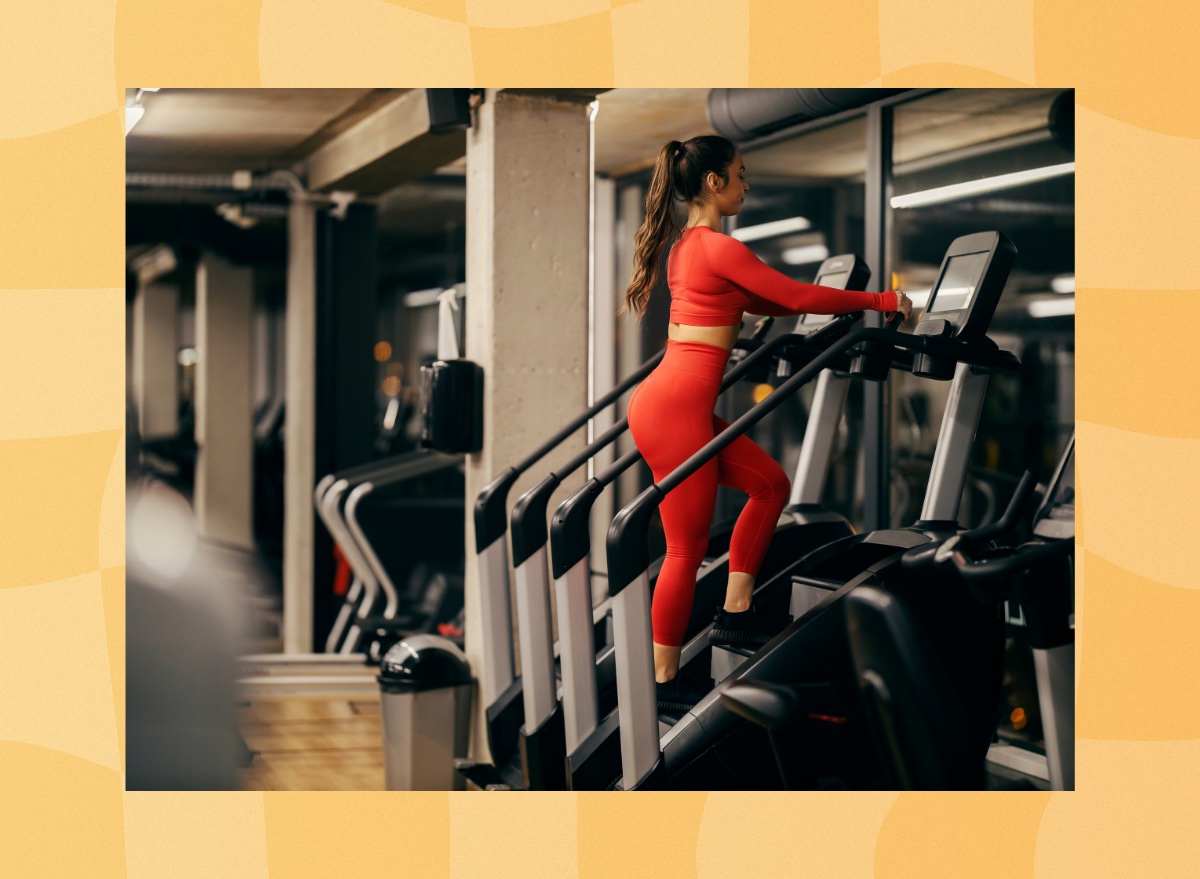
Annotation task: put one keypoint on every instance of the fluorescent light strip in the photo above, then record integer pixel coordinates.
(1052, 307)
(974, 187)
(770, 230)
(421, 298)
(810, 253)
(133, 112)
(1063, 284)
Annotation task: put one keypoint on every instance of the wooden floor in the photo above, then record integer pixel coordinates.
(313, 744)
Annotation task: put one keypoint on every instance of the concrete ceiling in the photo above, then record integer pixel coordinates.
(223, 130)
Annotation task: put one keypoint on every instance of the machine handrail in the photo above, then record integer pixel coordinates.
(637, 512)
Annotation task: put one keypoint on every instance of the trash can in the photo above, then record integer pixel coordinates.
(425, 701)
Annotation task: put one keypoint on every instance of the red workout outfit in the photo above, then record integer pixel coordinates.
(714, 279)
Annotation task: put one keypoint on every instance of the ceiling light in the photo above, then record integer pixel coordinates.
(770, 230)
(1052, 307)
(809, 253)
(133, 112)
(419, 298)
(1063, 284)
(133, 108)
(974, 187)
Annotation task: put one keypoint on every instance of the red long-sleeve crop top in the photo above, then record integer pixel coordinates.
(714, 279)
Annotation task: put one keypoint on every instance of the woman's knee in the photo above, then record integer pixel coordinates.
(773, 485)
(689, 552)
(781, 485)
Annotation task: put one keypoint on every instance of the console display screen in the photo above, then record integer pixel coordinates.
(958, 284)
(834, 279)
(1064, 492)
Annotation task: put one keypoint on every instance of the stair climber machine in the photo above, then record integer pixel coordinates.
(564, 703)
(525, 730)
(920, 726)
(711, 746)
(588, 691)
(374, 613)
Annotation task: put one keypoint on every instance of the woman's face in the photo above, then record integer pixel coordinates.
(731, 192)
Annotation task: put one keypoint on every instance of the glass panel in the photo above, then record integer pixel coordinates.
(974, 136)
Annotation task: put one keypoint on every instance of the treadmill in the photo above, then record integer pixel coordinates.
(711, 747)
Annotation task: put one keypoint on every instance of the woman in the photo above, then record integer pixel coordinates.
(713, 279)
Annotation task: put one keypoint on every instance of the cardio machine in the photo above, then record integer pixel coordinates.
(529, 733)
(592, 725)
(374, 610)
(917, 722)
(711, 746)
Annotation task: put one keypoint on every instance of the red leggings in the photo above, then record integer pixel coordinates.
(671, 418)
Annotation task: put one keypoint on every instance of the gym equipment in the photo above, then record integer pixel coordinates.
(710, 746)
(916, 720)
(499, 688)
(528, 754)
(804, 522)
(373, 613)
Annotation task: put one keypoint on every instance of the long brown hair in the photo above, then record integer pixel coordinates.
(679, 174)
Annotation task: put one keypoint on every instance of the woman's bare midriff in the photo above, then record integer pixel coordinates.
(719, 337)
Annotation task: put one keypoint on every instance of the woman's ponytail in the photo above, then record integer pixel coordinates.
(678, 174)
(656, 232)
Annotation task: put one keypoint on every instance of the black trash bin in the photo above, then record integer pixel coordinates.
(426, 700)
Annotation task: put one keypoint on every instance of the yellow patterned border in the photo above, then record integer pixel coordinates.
(63, 811)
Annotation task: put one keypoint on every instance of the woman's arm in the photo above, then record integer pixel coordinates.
(774, 293)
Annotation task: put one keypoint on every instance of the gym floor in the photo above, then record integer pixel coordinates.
(313, 744)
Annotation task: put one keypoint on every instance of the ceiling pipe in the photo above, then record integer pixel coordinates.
(238, 180)
(743, 114)
(225, 187)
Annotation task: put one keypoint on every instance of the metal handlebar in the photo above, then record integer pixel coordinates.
(1018, 505)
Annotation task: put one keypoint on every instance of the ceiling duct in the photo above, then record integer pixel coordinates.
(237, 180)
(744, 114)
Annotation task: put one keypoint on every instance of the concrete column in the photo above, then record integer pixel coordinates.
(527, 298)
(299, 429)
(224, 494)
(155, 374)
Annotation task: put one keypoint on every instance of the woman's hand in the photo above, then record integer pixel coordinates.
(903, 306)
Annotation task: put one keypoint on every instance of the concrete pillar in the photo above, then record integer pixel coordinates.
(299, 429)
(155, 374)
(224, 493)
(527, 298)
